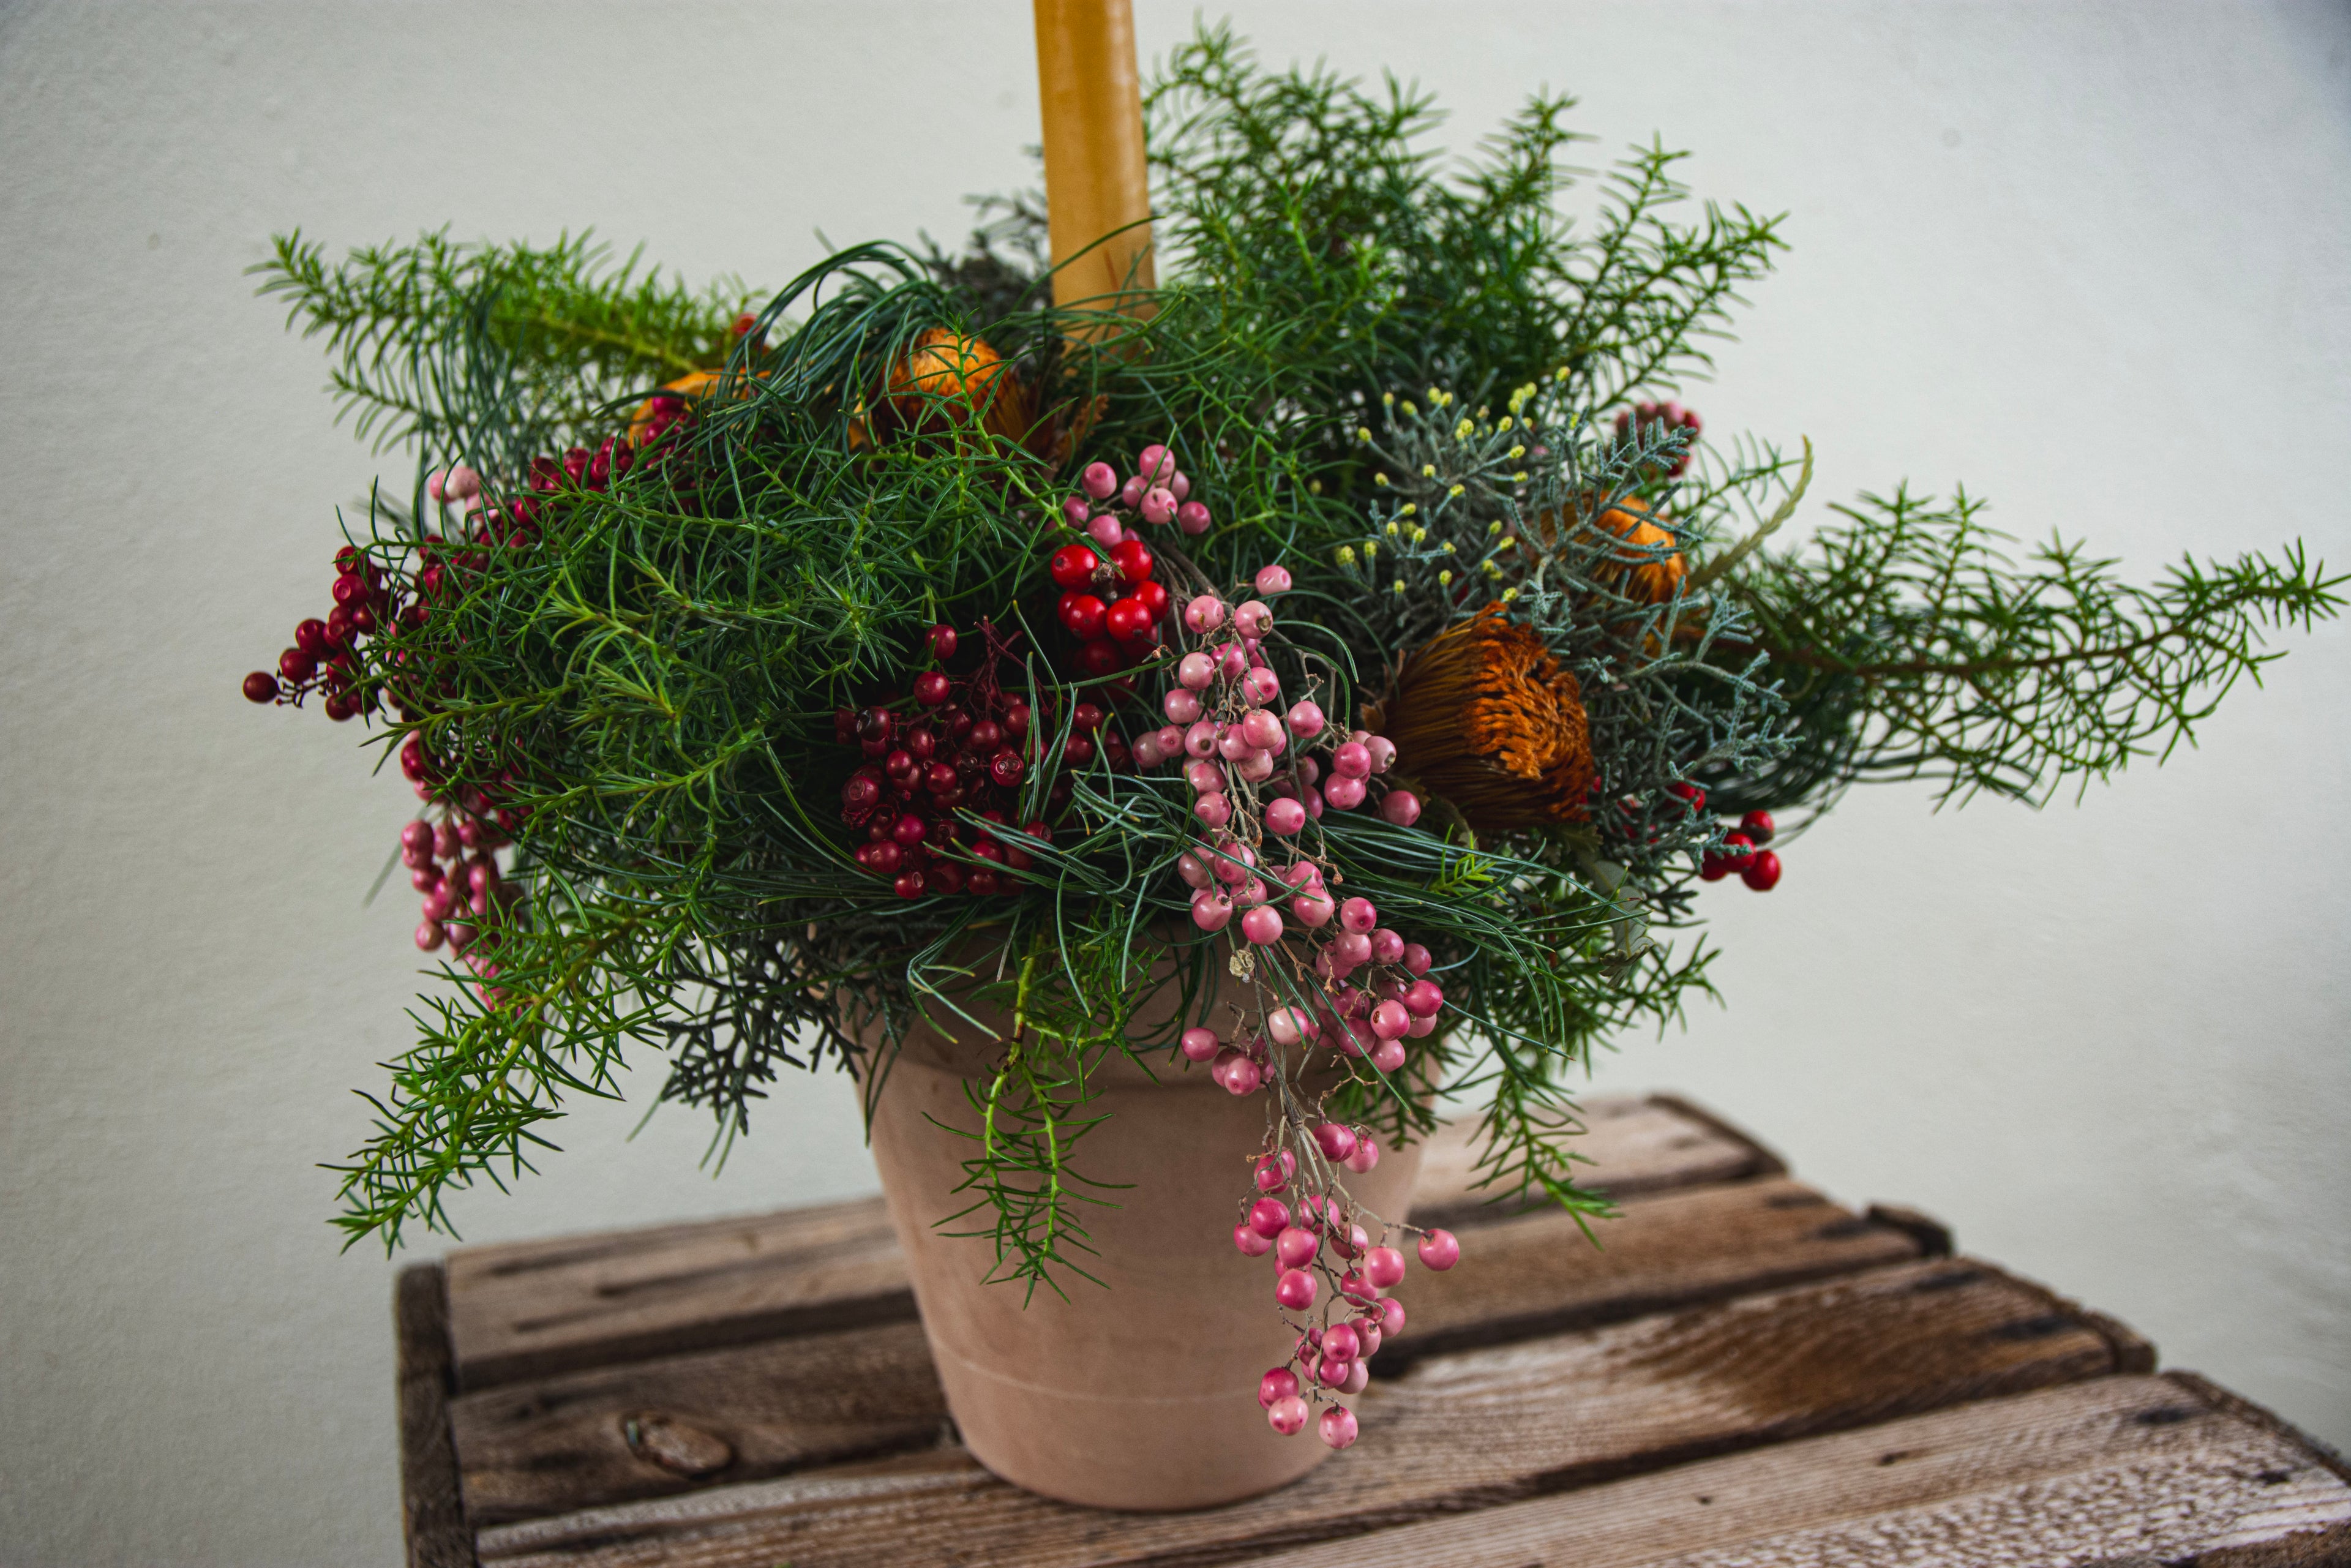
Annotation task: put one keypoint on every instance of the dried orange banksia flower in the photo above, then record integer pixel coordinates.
(1484, 717)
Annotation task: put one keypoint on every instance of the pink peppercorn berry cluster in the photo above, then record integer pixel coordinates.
(1246, 780)
(455, 865)
(1366, 1021)
(1743, 853)
(1645, 415)
(1329, 1267)
(1110, 601)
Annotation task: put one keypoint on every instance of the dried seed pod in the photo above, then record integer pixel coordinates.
(1484, 715)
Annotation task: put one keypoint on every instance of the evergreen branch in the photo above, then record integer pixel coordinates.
(577, 330)
(1957, 663)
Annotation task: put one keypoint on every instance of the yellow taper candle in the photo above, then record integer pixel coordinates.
(1095, 184)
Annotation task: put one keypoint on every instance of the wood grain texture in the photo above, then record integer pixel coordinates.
(535, 1309)
(2244, 1409)
(549, 1445)
(653, 1427)
(1472, 1430)
(2117, 1470)
(432, 1519)
(1537, 1272)
(1769, 1163)
(1636, 1146)
(538, 1307)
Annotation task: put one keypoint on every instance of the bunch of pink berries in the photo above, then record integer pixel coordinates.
(1326, 1257)
(461, 897)
(1365, 989)
(1157, 491)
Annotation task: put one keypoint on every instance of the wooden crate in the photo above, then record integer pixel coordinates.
(1745, 1372)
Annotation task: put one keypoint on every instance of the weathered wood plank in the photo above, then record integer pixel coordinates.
(2244, 1409)
(1469, 1431)
(533, 1309)
(1636, 1146)
(667, 1424)
(2131, 1469)
(547, 1446)
(432, 1516)
(1537, 1272)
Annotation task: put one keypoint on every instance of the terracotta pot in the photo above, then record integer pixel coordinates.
(1142, 1395)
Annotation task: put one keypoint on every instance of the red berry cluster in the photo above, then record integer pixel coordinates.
(325, 654)
(490, 804)
(1110, 602)
(963, 744)
(1112, 631)
(463, 898)
(1743, 853)
(580, 468)
(1642, 416)
(1325, 1256)
(367, 603)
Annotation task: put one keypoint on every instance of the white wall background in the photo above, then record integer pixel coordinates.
(2090, 258)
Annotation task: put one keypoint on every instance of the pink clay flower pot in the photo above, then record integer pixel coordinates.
(1046, 1396)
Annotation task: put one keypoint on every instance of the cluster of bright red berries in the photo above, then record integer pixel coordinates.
(1645, 416)
(1324, 1243)
(1743, 853)
(965, 746)
(1110, 601)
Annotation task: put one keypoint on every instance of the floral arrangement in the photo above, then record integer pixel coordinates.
(1356, 642)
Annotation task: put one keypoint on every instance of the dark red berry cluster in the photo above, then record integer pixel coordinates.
(1743, 853)
(959, 744)
(580, 468)
(325, 654)
(368, 602)
(475, 795)
(1645, 415)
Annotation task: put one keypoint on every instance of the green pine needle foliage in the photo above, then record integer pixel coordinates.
(1394, 373)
